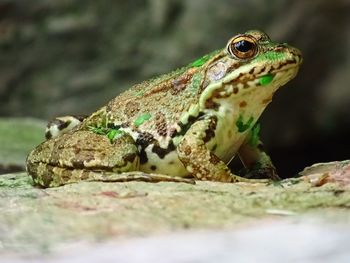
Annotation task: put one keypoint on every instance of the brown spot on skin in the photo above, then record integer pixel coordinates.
(232, 67)
(125, 125)
(242, 104)
(214, 159)
(180, 83)
(153, 167)
(210, 104)
(131, 108)
(235, 90)
(161, 124)
(187, 150)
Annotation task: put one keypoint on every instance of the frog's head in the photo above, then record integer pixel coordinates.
(250, 64)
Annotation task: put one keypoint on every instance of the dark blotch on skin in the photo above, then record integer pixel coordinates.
(48, 135)
(129, 157)
(185, 127)
(78, 164)
(210, 132)
(144, 139)
(113, 126)
(153, 167)
(59, 123)
(143, 156)
(161, 152)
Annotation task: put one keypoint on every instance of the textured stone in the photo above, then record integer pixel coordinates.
(37, 221)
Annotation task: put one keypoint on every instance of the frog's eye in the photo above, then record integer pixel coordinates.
(242, 47)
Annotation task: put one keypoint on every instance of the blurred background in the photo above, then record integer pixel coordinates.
(72, 56)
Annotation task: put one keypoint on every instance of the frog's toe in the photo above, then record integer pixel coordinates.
(260, 173)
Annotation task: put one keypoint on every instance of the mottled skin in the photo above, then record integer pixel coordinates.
(189, 123)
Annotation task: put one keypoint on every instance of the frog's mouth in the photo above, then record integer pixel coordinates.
(265, 76)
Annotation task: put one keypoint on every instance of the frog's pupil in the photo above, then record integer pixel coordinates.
(244, 46)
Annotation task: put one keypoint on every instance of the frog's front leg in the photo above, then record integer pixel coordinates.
(256, 161)
(199, 160)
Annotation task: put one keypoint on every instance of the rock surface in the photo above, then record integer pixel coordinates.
(56, 223)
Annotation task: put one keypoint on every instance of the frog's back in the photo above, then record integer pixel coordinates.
(161, 100)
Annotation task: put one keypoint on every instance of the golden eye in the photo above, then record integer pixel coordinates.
(242, 47)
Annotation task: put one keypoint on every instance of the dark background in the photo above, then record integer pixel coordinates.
(61, 57)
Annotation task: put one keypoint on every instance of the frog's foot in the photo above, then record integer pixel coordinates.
(61, 125)
(200, 161)
(258, 172)
(256, 161)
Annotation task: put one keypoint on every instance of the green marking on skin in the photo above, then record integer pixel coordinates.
(271, 56)
(254, 135)
(242, 127)
(142, 118)
(113, 134)
(199, 62)
(98, 130)
(265, 80)
(196, 81)
(139, 93)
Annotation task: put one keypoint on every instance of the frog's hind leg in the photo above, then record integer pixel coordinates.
(62, 124)
(50, 176)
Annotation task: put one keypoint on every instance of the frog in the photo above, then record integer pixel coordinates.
(184, 126)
